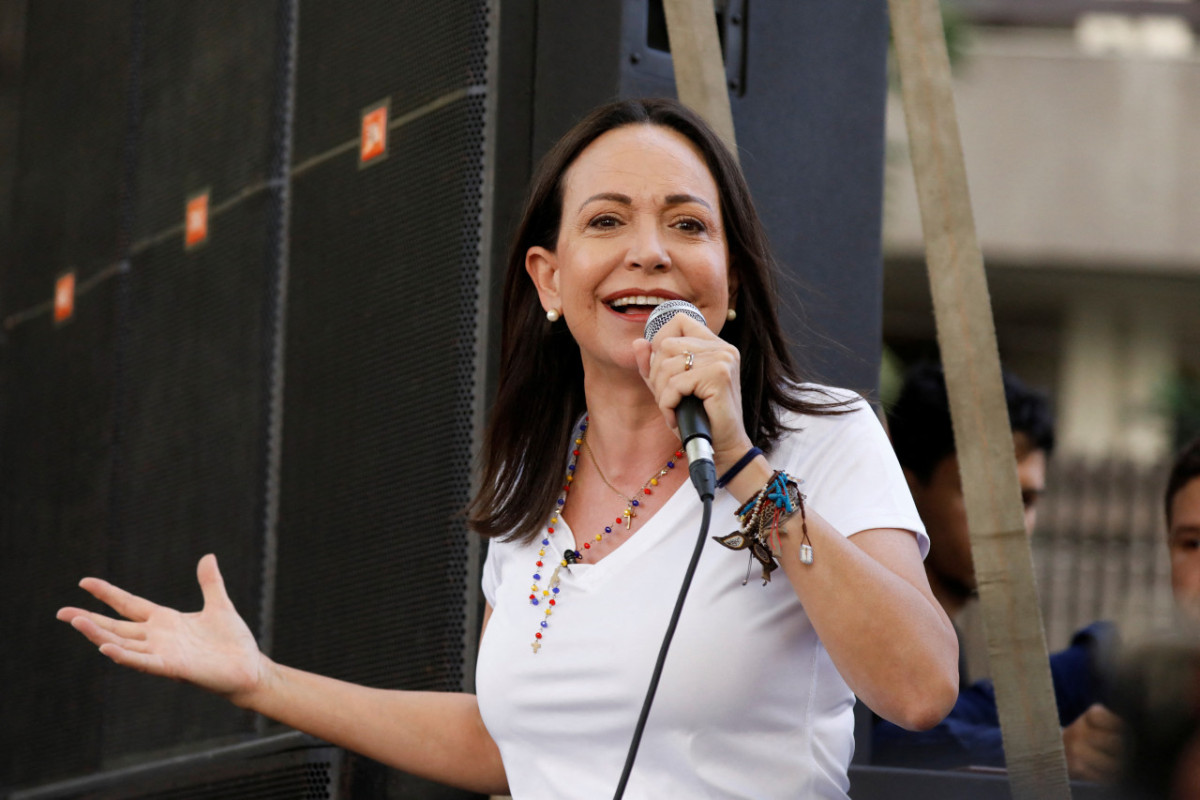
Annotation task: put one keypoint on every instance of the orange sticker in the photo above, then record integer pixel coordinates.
(196, 220)
(64, 297)
(374, 134)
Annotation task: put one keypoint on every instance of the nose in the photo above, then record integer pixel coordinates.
(647, 250)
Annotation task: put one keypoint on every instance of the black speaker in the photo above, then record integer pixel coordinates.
(298, 389)
(377, 575)
(57, 408)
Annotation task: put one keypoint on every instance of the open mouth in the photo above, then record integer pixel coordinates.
(637, 304)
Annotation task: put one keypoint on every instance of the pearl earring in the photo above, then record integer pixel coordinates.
(553, 315)
(731, 314)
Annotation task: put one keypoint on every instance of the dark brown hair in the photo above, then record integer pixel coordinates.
(1183, 471)
(540, 391)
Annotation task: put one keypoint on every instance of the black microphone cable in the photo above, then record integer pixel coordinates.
(707, 499)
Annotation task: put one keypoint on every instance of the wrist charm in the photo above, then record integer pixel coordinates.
(806, 551)
(759, 520)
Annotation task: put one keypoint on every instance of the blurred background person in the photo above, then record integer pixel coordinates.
(922, 434)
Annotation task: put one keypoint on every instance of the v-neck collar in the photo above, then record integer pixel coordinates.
(656, 530)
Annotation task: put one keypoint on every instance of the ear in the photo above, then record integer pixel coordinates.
(542, 266)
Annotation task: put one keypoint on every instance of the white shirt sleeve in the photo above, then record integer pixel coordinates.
(850, 473)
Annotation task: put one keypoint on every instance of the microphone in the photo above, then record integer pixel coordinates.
(689, 414)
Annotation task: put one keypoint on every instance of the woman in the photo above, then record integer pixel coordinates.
(592, 526)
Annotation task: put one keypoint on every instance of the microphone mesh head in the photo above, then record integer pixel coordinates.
(663, 314)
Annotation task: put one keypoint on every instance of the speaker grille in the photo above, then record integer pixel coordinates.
(301, 782)
(55, 469)
(381, 340)
(189, 458)
(56, 413)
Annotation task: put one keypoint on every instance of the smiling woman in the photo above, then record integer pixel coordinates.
(591, 527)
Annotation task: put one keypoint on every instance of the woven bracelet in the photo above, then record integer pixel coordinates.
(733, 471)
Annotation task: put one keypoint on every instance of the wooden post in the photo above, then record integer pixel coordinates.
(966, 334)
(699, 67)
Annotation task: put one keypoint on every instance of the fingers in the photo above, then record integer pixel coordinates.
(142, 662)
(212, 585)
(1093, 745)
(1098, 716)
(100, 635)
(116, 627)
(127, 605)
(641, 351)
(686, 358)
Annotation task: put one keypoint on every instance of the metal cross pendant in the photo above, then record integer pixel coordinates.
(629, 515)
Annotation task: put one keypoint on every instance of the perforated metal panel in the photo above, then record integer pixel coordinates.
(56, 412)
(289, 767)
(69, 177)
(56, 434)
(189, 458)
(191, 432)
(379, 394)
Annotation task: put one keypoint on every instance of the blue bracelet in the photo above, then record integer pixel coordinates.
(732, 472)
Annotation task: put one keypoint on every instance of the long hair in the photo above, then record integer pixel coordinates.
(540, 391)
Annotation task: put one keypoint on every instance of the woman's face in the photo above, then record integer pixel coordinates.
(641, 224)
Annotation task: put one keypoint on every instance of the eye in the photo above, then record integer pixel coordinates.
(604, 221)
(690, 225)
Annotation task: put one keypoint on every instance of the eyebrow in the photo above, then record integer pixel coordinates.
(626, 200)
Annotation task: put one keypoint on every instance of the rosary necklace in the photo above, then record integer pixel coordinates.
(549, 594)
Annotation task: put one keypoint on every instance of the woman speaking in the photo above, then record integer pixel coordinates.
(591, 524)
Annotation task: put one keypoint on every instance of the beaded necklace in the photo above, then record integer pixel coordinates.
(549, 595)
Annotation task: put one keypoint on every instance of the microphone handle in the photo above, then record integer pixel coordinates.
(697, 443)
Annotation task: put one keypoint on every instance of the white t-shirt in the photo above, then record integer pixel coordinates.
(749, 705)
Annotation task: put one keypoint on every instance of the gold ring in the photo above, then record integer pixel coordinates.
(690, 360)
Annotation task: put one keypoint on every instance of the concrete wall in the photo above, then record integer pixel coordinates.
(1072, 158)
(1085, 181)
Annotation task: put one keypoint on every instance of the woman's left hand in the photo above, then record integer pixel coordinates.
(714, 376)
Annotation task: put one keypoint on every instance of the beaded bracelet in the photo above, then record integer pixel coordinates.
(759, 519)
(733, 471)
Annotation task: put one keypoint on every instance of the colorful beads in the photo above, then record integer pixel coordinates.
(551, 592)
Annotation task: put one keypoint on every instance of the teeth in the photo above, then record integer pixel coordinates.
(639, 300)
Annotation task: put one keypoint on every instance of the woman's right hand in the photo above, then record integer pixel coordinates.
(212, 648)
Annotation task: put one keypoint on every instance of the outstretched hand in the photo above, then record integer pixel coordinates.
(212, 648)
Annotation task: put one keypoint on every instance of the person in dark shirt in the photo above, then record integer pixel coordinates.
(922, 435)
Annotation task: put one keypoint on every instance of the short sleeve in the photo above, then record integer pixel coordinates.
(491, 574)
(850, 472)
